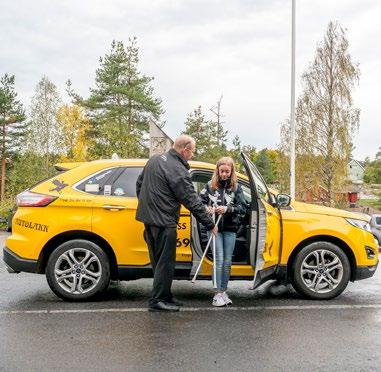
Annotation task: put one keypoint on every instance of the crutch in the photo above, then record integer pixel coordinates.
(214, 255)
(212, 236)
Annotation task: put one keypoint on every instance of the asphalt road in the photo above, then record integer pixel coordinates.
(262, 331)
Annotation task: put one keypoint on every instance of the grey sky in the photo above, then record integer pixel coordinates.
(197, 50)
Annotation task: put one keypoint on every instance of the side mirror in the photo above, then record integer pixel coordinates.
(283, 200)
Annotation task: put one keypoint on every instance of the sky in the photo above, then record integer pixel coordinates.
(197, 50)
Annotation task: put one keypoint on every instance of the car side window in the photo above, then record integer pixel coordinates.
(246, 192)
(125, 184)
(199, 180)
(95, 183)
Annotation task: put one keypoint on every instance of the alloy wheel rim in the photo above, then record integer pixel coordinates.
(321, 271)
(77, 271)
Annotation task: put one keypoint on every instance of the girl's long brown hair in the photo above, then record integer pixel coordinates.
(226, 160)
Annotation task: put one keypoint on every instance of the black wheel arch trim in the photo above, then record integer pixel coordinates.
(72, 235)
(324, 238)
(364, 272)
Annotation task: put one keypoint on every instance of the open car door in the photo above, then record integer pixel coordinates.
(263, 218)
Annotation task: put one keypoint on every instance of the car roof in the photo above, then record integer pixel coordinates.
(133, 162)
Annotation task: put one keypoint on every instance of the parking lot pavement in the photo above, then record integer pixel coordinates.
(263, 330)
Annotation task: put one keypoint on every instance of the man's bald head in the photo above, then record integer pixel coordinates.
(183, 141)
(185, 145)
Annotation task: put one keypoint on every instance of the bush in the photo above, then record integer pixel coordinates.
(7, 206)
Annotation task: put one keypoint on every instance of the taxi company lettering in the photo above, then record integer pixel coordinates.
(32, 225)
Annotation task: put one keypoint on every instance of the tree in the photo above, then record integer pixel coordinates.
(213, 153)
(265, 165)
(120, 104)
(235, 152)
(12, 127)
(373, 169)
(27, 169)
(274, 160)
(198, 127)
(325, 117)
(75, 127)
(373, 172)
(250, 151)
(220, 133)
(210, 145)
(378, 155)
(45, 135)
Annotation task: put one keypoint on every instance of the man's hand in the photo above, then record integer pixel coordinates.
(215, 230)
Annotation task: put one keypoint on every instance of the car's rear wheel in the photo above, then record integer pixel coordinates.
(78, 270)
(321, 271)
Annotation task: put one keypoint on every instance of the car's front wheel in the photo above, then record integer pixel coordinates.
(321, 271)
(78, 270)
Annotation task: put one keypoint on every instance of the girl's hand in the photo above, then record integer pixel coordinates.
(221, 209)
(210, 210)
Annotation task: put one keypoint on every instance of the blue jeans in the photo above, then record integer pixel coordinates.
(225, 242)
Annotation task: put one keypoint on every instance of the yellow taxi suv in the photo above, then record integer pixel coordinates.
(79, 229)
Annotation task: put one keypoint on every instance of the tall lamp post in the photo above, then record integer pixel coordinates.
(292, 152)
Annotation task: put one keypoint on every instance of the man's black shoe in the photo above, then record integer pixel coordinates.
(163, 306)
(174, 301)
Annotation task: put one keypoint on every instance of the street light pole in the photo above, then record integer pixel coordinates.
(292, 118)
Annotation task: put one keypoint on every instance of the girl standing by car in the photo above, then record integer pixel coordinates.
(224, 196)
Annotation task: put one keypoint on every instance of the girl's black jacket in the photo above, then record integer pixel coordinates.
(233, 199)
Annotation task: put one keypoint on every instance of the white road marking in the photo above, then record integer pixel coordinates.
(196, 309)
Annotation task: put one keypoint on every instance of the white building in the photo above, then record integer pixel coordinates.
(356, 172)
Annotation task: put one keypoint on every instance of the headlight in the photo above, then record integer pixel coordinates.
(360, 224)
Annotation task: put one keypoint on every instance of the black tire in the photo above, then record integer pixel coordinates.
(91, 280)
(341, 275)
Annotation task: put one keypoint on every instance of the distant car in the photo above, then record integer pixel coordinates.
(375, 225)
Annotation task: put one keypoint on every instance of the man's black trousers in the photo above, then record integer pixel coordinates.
(161, 243)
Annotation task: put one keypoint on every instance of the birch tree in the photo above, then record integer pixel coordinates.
(45, 135)
(326, 119)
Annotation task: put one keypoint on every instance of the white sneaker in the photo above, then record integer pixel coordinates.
(218, 300)
(226, 298)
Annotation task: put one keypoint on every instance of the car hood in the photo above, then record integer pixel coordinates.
(320, 209)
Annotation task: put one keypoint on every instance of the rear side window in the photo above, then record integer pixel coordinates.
(125, 184)
(378, 220)
(95, 184)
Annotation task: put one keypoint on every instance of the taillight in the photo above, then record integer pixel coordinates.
(32, 199)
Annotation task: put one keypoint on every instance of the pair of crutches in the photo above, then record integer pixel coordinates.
(212, 238)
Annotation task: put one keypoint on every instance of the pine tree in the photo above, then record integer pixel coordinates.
(12, 127)
(264, 165)
(235, 152)
(210, 144)
(198, 127)
(120, 104)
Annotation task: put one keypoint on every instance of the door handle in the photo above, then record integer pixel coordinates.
(269, 213)
(114, 207)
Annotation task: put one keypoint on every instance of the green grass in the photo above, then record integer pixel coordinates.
(370, 203)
